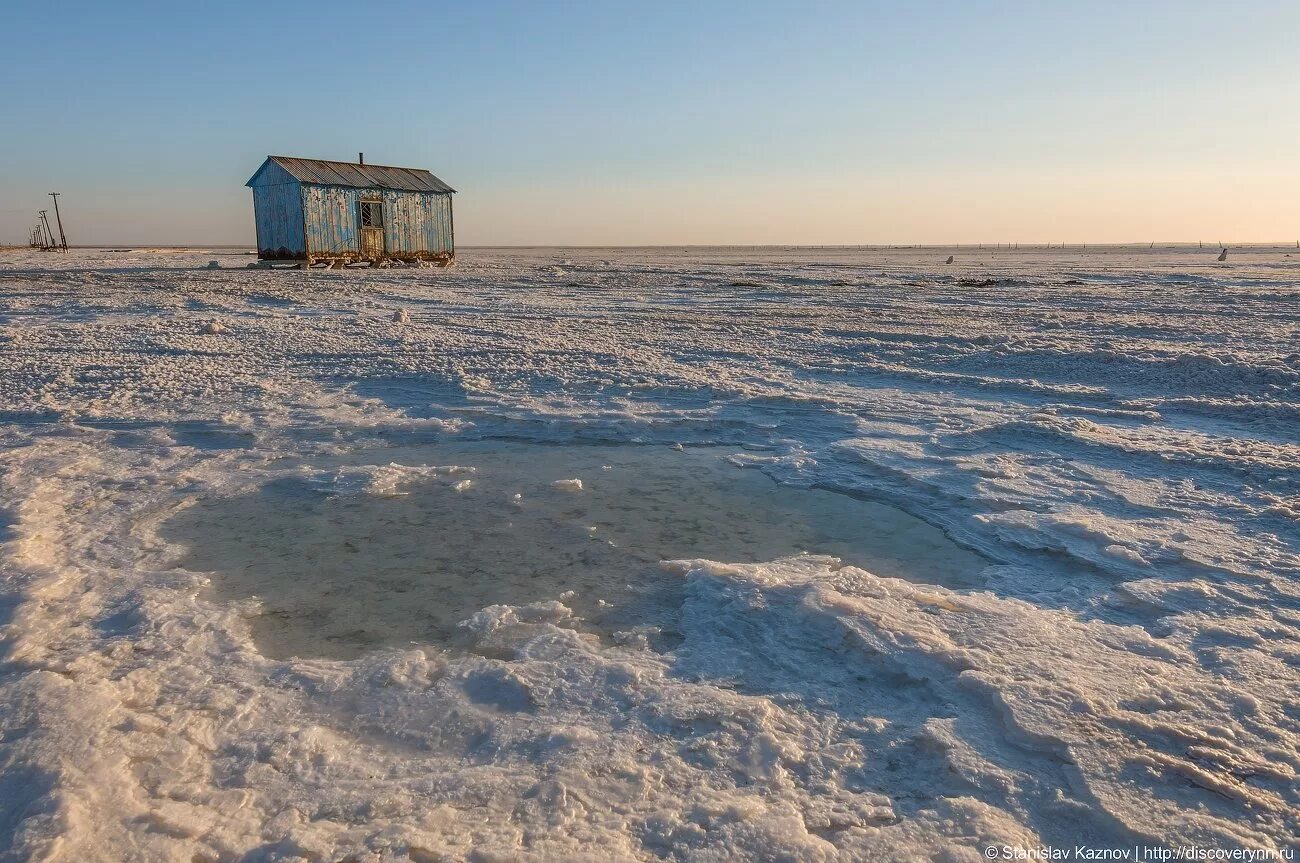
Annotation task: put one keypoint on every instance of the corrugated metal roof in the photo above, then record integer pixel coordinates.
(358, 176)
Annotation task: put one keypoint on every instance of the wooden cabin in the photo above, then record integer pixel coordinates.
(313, 210)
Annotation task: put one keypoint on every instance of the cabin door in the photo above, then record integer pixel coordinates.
(372, 229)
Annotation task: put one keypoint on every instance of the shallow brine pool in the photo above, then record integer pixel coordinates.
(351, 558)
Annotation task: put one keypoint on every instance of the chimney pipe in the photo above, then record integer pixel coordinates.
(361, 158)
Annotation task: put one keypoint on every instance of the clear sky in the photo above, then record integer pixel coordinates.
(664, 123)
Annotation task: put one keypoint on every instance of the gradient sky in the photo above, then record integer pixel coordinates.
(665, 123)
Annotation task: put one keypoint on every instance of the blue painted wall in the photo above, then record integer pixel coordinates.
(414, 222)
(278, 213)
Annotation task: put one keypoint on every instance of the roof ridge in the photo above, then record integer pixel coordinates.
(357, 175)
(353, 164)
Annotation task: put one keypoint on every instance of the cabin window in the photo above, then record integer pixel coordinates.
(372, 214)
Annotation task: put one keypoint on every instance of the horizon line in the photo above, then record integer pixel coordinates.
(1005, 246)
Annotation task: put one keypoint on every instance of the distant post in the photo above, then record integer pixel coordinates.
(63, 240)
(47, 236)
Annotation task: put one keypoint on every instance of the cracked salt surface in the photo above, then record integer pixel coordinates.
(342, 566)
(1116, 428)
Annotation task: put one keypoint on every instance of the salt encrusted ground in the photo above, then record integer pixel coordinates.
(1117, 429)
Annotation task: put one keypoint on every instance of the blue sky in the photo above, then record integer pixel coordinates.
(629, 123)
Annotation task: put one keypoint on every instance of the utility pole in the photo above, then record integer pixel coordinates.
(49, 235)
(63, 240)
